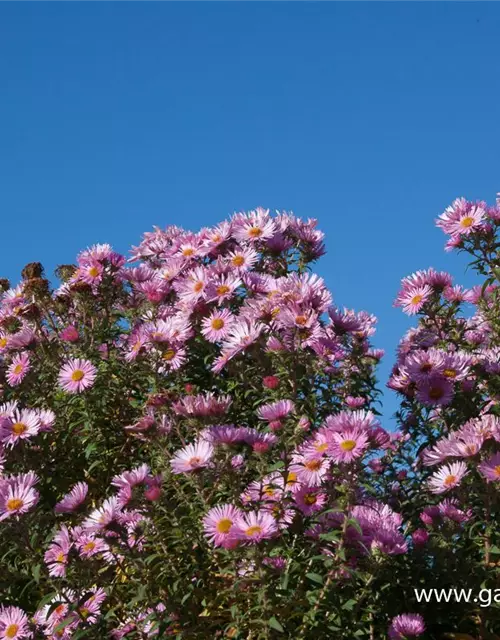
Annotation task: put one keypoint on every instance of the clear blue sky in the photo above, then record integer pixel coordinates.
(370, 117)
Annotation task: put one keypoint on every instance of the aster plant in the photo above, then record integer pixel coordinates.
(444, 475)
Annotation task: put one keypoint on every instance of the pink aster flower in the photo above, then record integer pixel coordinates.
(219, 525)
(217, 326)
(90, 608)
(255, 526)
(22, 425)
(77, 375)
(407, 625)
(18, 368)
(127, 480)
(193, 457)
(413, 299)
(242, 259)
(14, 624)
(348, 445)
(253, 226)
(310, 471)
(437, 390)
(309, 500)
(47, 418)
(89, 545)
(99, 519)
(462, 218)
(73, 499)
(447, 477)
(17, 494)
(56, 556)
(490, 469)
(276, 411)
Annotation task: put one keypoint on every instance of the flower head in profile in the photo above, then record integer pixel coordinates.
(77, 375)
(447, 477)
(73, 499)
(406, 625)
(219, 525)
(56, 556)
(193, 457)
(490, 468)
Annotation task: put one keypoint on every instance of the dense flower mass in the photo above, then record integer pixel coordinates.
(190, 444)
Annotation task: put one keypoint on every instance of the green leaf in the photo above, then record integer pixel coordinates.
(274, 624)
(349, 605)
(315, 577)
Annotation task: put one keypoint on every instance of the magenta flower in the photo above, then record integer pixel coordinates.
(89, 545)
(193, 457)
(17, 495)
(309, 500)
(219, 525)
(18, 368)
(73, 499)
(447, 477)
(420, 537)
(77, 375)
(69, 334)
(407, 625)
(14, 624)
(413, 299)
(436, 390)
(255, 526)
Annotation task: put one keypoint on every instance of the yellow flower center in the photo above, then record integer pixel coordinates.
(18, 369)
(238, 261)
(467, 222)
(449, 480)
(321, 447)
(18, 428)
(291, 478)
(84, 612)
(60, 557)
(416, 299)
(11, 631)
(310, 498)
(14, 504)
(217, 323)
(198, 287)
(300, 320)
(90, 546)
(93, 272)
(194, 462)
(222, 289)
(348, 445)
(313, 465)
(253, 530)
(77, 375)
(188, 251)
(169, 354)
(224, 525)
(497, 470)
(450, 373)
(269, 491)
(255, 232)
(3, 342)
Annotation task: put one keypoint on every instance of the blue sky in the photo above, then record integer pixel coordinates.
(371, 117)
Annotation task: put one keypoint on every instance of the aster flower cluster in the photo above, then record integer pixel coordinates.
(189, 441)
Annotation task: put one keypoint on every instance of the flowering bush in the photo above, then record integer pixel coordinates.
(190, 445)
